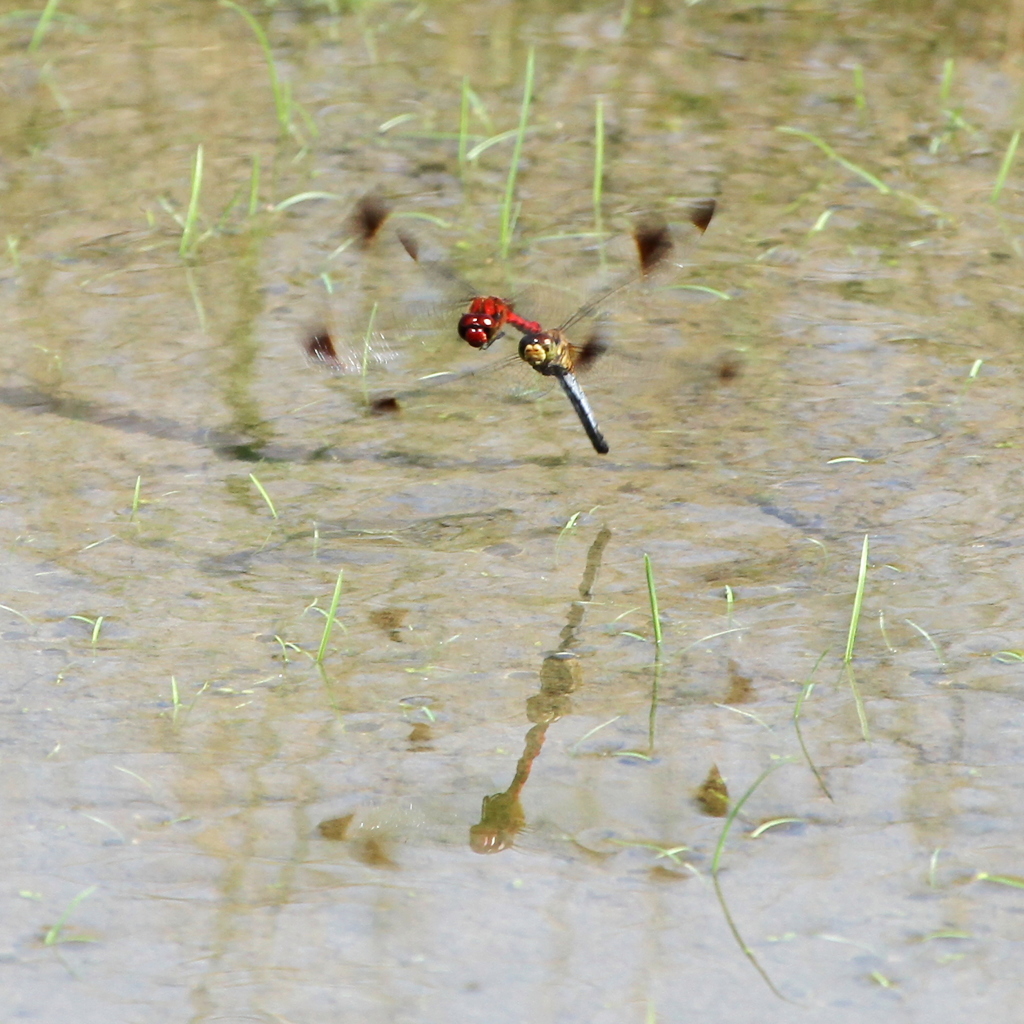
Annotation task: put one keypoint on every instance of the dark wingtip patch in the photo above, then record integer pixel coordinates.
(369, 216)
(728, 366)
(319, 347)
(386, 406)
(594, 347)
(701, 213)
(653, 241)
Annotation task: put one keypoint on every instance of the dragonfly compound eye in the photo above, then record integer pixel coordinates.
(477, 330)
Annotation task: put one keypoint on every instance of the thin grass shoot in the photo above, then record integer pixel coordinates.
(97, 625)
(263, 494)
(671, 852)
(823, 218)
(367, 353)
(590, 732)
(55, 933)
(853, 168)
(197, 298)
(757, 719)
(280, 90)
(43, 25)
(931, 642)
(652, 594)
(285, 646)
(14, 611)
(175, 699)
(884, 632)
(464, 123)
(774, 823)
(858, 602)
(493, 140)
(851, 640)
(859, 99)
(946, 82)
(254, 186)
(805, 694)
(1014, 881)
(329, 624)
(716, 862)
(1004, 166)
(394, 122)
(507, 206)
(597, 190)
(189, 227)
(136, 500)
(305, 197)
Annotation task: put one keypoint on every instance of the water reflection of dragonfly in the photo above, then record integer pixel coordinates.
(549, 353)
(371, 830)
(502, 816)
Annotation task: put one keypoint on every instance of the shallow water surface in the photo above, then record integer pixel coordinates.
(498, 799)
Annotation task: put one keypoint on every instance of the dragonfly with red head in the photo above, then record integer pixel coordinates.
(487, 315)
(549, 353)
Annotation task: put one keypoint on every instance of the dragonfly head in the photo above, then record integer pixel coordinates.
(482, 324)
(540, 351)
(548, 352)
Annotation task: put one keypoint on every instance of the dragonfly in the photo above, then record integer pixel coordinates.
(487, 316)
(548, 352)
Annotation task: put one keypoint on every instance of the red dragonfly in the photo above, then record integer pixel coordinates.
(487, 315)
(548, 352)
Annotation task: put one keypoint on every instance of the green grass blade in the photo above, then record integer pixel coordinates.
(1014, 881)
(598, 188)
(42, 25)
(858, 602)
(14, 611)
(851, 640)
(254, 186)
(329, 624)
(53, 934)
(136, 499)
(280, 91)
(931, 642)
(858, 701)
(652, 593)
(464, 122)
(804, 695)
(305, 197)
(263, 493)
(367, 337)
(494, 140)
(652, 717)
(188, 231)
(716, 864)
(508, 205)
(1004, 167)
(841, 160)
(946, 84)
(859, 99)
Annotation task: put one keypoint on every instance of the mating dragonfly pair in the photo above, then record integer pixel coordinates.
(548, 352)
